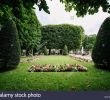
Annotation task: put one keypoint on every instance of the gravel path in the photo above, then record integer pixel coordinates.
(88, 57)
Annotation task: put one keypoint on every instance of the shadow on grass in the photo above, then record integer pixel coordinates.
(104, 68)
(2, 70)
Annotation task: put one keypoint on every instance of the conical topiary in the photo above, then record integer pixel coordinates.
(9, 45)
(45, 50)
(101, 50)
(65, 51)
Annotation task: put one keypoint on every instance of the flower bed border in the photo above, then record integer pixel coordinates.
(57, 68)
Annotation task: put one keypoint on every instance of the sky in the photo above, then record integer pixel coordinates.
(58, 15)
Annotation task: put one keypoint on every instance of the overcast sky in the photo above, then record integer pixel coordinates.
(58, 15)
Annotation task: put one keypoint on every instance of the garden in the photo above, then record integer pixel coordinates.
(20, 79)
(42, 57)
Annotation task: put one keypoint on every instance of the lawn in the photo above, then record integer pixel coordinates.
(21, 79)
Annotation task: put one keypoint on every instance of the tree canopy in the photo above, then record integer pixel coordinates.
(82, 7)
(26, 21)
(89, 41)
(14, 4)
(57, 36)
(17, 19)
(29, 29)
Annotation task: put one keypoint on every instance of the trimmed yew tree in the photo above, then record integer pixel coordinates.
(65, 51)
(45, 50)
(9, 45)
(101, 50)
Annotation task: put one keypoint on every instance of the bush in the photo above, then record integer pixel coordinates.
(45, 51)
(101, 50)
(65, 51)
(9, 45)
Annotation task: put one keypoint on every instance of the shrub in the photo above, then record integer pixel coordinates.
(101, 50)
(65, 51)
(45, 50)
(9, 45)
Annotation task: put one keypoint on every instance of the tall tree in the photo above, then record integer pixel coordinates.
(9, 39)
(25, 24)
(57, 36)
(9, 45)
(89, 41)
(28, 29)
(101, 50)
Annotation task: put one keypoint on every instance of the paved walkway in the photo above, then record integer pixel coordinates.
(87, 57)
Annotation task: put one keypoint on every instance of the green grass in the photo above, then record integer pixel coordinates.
(21, 79)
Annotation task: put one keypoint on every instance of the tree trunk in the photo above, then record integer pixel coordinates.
(49, 51)
(27, 52)
(61, 52)
(32, 51)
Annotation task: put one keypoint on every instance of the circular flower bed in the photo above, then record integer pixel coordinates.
(57, 68)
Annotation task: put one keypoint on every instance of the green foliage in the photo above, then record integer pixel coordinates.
(59, 35)
(65, 51)
(28, 29)
(26, 25)
(43, 5)
(101, 50)
(83, 7)
(9, 45)
(27, 4)
(45, 50)
(5, 13)
(89, 41)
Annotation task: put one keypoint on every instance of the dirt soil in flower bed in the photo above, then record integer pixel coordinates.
(57, 68)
